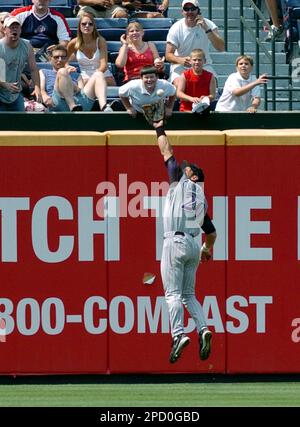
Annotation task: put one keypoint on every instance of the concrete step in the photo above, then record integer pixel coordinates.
(225, 69)
(234, 36)
(232, 4)
(229, 58)
(251, 47)
(217, 11)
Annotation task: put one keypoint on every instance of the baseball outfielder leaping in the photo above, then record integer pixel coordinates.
(184, 214)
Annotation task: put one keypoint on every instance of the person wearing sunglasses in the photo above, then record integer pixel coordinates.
(191, 32)
(89, 49)
(62, 86)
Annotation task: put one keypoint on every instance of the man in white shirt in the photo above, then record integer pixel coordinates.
(148, 91)
(241, 90)
(191, 32)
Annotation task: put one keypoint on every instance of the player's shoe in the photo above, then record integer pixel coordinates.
(205, 336)
(178, 344)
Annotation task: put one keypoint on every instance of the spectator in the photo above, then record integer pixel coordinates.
(90, 50)
(135, 54)
(63, 89)
(191, 32)
(3, 15)
(241, 90)
(196, 85)
(15, 53)
(138, 95)
(42, 26)
(276, 27)
(102, 8)
(146, 8)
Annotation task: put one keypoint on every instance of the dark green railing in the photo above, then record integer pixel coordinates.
(290, 90)
(225, 25)
(260, 18)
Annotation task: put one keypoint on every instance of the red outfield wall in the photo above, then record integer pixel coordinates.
(72, 298)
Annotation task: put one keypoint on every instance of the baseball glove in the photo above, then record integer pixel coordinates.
(154, 112)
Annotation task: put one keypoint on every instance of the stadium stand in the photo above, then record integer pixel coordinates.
(66, 7)
(9, 5)
(155, 23)
(291, 21)
(156, 31)
(110, 28)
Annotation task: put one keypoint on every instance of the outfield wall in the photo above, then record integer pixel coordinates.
(72, 298)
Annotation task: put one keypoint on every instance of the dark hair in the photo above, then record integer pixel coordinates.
(195, 168)
(149, 69)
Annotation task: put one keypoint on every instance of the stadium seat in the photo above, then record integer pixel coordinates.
(9, 5)
(111, 23)
(113, 50)
(154, 22)
(160, 46)
(112, 92)
(151, 34)
(111, 34)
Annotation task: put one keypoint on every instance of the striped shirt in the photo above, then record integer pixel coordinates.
(185, 205)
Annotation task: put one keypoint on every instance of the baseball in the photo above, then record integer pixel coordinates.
(148, 278)
(160, 92)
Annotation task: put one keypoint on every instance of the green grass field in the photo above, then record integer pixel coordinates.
(146, 392)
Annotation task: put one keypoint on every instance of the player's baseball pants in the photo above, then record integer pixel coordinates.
(180, 259)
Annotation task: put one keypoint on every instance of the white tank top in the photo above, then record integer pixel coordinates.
(89, 65)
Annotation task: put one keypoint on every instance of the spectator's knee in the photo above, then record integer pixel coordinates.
(63, 72)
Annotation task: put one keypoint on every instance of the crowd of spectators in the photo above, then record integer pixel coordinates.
(78, 75)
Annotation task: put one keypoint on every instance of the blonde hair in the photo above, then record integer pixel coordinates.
(245, 58)
(135, 25)
(79, 38)
(199, 52)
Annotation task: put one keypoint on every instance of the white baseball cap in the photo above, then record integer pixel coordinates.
(10, 20)
(193, 2)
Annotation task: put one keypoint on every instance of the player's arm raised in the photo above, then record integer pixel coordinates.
(164, 145)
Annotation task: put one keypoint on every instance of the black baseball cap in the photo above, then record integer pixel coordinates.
(195, 168)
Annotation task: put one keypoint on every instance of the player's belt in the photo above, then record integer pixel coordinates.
(177, 233)
(181, 233)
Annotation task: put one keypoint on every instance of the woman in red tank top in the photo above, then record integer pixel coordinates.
(135, 54)
(195, 83)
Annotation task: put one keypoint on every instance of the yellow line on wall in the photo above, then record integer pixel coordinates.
(269, 137)
(59, 138)
(129, 138)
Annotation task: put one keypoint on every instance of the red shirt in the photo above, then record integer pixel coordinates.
(195, 86)
(136, 61)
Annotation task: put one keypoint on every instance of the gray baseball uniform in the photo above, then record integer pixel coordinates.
(184, 214)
